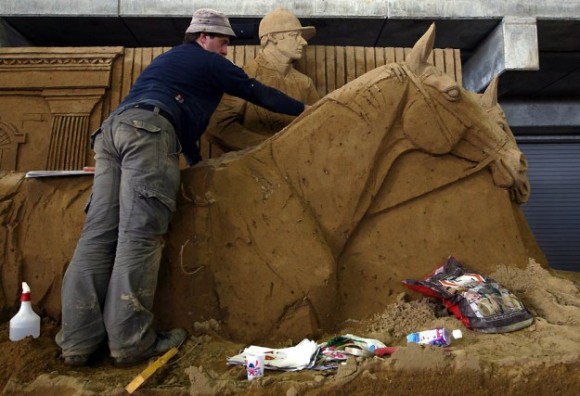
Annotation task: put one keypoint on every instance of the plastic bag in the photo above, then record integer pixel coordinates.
(478, 301)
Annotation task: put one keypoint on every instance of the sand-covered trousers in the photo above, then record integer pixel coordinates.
(109, 286)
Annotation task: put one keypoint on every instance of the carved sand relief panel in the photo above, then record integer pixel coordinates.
(60, 87)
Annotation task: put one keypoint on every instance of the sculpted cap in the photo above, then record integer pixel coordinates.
(281, 20)
(207, 20)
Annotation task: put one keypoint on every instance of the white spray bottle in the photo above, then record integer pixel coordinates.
(26, 322)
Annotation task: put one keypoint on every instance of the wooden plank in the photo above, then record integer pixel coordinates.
(250, 54)
(439, 60)
(449, 63)
(320, 81)
(370, 60)
(390, 55)
(330, 60)
(137, 64)
(350, 63)
(380, 58)
(157, 51)
(360, 61)
(399, 54)
(230, 54)
(457, 63)
(127, 70)
(142, 63)
(341, 67)
(436, 60)
(311, 63)
(147, 57)
(238, 55)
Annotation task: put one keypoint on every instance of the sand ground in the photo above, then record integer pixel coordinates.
(543, 359)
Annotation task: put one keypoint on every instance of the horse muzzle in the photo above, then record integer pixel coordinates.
(510, 171)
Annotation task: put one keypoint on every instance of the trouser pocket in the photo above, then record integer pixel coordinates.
(88, 203)
(94, 136)
(150, 212)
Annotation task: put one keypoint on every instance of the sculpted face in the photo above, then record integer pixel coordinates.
(289, 44)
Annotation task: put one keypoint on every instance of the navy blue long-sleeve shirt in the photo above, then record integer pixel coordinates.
(188, 82)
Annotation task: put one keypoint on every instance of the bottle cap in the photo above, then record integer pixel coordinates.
(457, 334)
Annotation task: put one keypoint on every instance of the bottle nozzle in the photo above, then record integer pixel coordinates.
(25, 287)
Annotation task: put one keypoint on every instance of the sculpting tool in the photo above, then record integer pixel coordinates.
(150, 370)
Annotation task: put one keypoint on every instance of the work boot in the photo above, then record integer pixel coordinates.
(76, 360)
(164, 342)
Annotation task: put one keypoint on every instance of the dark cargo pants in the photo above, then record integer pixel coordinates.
(109, 285)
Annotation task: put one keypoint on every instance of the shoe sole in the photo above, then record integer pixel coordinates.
(76, 363)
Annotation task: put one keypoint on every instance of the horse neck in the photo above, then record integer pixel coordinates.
(375, 95)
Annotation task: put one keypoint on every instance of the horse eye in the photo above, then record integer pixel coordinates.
(454, 93)
(500, 124)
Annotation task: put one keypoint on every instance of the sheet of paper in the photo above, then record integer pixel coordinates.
(294, 358)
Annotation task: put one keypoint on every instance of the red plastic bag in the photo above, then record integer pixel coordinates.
(478, 301)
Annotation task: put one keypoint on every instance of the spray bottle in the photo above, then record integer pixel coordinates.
(26, 322)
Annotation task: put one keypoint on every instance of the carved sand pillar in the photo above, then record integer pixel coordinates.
(71, 110)
(52, 96)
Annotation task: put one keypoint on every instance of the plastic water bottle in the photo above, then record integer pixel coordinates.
(26, 322)
(439, 337)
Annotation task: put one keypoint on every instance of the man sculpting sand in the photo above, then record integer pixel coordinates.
(238, 124)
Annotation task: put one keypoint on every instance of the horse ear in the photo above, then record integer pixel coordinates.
(489, 98)
(419, 55)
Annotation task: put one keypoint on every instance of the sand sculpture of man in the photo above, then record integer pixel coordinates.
(238, 124)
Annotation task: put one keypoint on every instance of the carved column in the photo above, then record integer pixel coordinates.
(69, 136)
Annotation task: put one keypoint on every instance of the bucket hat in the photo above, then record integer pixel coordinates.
(207, 20)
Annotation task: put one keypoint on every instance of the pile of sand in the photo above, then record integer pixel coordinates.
(541, 359)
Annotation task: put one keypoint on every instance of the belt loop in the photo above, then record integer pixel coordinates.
(156, 110)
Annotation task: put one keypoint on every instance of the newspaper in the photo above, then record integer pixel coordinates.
(293, 358)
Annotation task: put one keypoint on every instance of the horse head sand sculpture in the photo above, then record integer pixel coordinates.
(378, 182)
(459, 127)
